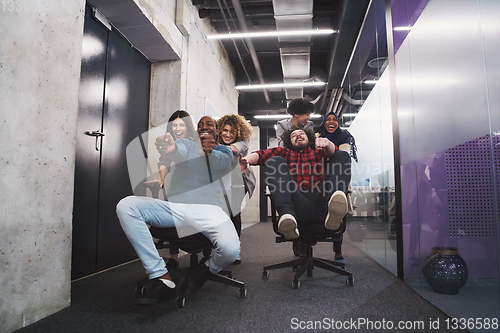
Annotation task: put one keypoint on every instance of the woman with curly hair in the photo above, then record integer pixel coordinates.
(235, 132)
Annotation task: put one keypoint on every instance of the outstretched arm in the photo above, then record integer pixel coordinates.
(240, 147)
(326, 145)
(165, 144)
(245, 162)
(252, 159)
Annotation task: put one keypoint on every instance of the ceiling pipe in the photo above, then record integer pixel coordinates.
(235, 25)
(334, 102)
(253, 54)
(330, 63)
(351, 18)
(317, 99)
(234, 43)
(212, 4)
(353, 101)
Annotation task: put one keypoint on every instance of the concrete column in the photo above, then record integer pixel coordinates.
(40, 56)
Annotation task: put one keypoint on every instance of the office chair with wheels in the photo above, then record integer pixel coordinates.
(310, 235)
(192, 244)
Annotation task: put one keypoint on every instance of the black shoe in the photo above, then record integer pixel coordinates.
(299, 249)
(172, 264)
(237, 262)
(159, 292)
(198, 277)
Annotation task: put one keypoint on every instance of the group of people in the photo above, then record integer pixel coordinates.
(209, 173)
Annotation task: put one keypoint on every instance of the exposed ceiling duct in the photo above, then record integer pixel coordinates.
(295, 51)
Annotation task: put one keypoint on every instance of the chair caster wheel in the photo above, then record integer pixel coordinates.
(350, 281)
(180, 302)
(140, 289)
(265, 275)
(242, 293)
(295, 284)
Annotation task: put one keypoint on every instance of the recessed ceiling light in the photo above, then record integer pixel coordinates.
(264, 34)
(349, 115)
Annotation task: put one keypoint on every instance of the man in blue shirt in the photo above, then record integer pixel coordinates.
(194, 205)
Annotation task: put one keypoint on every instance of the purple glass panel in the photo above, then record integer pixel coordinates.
(404, 14)
(448, 200)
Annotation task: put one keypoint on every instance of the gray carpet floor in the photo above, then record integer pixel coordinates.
(105, 302)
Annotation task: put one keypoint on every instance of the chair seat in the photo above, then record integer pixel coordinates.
(188, 243)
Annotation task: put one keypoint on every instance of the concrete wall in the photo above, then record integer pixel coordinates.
(203, 73)
(40, 52)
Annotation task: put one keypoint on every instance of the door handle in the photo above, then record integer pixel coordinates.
(98, 134)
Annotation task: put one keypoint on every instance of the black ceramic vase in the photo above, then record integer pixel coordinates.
(445, 270)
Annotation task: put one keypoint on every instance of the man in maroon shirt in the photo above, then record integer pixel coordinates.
(306, 186)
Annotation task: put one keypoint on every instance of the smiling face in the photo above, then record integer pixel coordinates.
(207, 125)
(179, 129)
(299, 139)
(228, 135)
(331, 123)
(302, 119)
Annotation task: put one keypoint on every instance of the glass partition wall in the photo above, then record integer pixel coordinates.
(448, 110)
(448, 130)
(365, 111)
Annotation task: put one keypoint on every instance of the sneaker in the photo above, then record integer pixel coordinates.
(159, 292)
(337, 208)
(172, 264)
(287, 226)
(198, 277)
(339, 259)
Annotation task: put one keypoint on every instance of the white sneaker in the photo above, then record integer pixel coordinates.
(287, 226)
(337, 208)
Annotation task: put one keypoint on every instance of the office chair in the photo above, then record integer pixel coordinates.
(310, 235)
(192, 244)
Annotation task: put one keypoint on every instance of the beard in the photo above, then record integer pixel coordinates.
(301, 145)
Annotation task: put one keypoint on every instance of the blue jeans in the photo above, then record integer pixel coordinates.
(136, 213)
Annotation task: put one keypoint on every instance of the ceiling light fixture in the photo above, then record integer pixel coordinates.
(370, 81)
(349, 115)
(281, 116)
(264, 34)
(281, 85)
